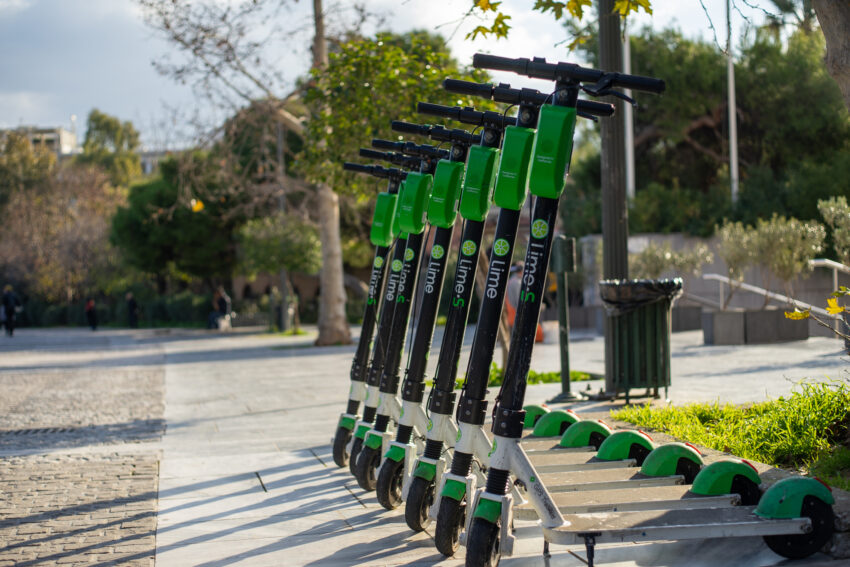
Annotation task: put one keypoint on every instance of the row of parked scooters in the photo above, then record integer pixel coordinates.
(437, 459)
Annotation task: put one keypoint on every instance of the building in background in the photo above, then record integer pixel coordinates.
(61, 142)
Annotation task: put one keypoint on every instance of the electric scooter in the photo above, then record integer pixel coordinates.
(474, 206)
(412, 203)
(488, 534)
(382, 237)
(387, 234)
(394, 471)
(449, 507)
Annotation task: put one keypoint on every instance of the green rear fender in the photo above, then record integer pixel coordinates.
(454, 489)
(554, 423)
(579, 434)
(717, 477)
(533, 412)
(621, 445)
(665, 460)
(785, 498)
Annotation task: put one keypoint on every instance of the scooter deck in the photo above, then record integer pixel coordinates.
(535, 445)
(629, 500)
(604, 479)
(583, 465)
(736, 521)
(548, 458)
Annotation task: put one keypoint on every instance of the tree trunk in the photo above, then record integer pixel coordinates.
(333, 325)
(834, 19)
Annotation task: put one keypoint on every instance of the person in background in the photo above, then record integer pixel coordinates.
(91, 314)
(10, 307)
(132, 310)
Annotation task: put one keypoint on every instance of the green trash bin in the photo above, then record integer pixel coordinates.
(639, 314)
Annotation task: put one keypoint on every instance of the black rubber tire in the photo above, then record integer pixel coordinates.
(366, 471)
(688, 469)
(341, 439)
(390, 483)
(803, 545)
(450, 522)
(420, 497)
(355, 452)
(747, 489)
(482, 544)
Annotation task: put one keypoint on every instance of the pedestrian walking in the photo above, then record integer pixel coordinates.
(91, 314)
(11, 306)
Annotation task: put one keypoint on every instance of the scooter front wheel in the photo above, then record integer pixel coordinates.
(341, 439)
(450, 521)
(355, 452)
(482, 544)
(367, 467)
(390, 482)
(420, 497)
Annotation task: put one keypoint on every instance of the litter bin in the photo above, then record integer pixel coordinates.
(639, 314)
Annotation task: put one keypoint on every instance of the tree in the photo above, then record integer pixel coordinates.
(279, 241)
(23, 168)
(833, 16)
(368, 82)
(56, 242)
(154, 234)
(113, 145)
(231, 66)
(836, 213)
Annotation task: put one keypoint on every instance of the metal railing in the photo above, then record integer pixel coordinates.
(769, 294)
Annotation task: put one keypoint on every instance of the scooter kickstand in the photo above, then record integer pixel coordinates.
(589, 544)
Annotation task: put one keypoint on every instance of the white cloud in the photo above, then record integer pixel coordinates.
(9, 7)
(25, 107)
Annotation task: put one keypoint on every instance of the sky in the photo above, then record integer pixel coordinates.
(62, 58)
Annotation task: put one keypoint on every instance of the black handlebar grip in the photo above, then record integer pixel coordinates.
(497, 63)
(595, 108)
(372, 154)
(639, 83)
(348, 166)
(386, 144)
(468, 87)
(438, 110)
(410, 128)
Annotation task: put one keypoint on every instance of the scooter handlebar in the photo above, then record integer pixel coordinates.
(538, 68)
(453, 136)
(504, 93)
(467, 115)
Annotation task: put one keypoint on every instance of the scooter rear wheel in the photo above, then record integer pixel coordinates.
(420, 497)
(367, 467)
(803, 545)
(450, 521)
(482, 544)
(341, 439)
(390, 483)
(355, 452)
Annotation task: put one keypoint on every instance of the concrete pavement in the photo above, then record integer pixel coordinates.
(245, 475)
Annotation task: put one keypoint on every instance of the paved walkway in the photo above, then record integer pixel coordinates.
(239, 428)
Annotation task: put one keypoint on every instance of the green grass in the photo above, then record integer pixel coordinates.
(806, 430)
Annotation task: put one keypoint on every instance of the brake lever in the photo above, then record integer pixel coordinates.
(603, 88)
(588, 116)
